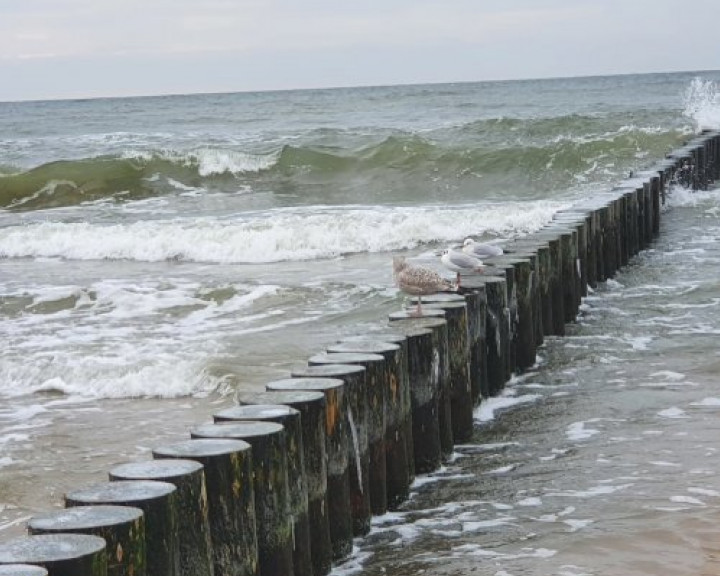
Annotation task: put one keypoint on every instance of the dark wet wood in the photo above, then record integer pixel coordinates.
(231, 500)
(122, 528)
(336, 444)
(157, 500)
(311, 405)
(273, 518)
(356, 425)
(190, 504)
(59, 554)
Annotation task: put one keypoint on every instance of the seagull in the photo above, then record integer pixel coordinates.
(458, 261)
(418, 281)
(480, 250)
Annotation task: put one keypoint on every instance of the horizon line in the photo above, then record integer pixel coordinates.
(348, 87)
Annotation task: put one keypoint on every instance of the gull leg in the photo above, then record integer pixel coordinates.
(418, 309)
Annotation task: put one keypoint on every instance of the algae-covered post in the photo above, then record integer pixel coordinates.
(311, 405)
(158, 501)
(289, 418)
(231, 501)
(376, 389)
(356, 425)
(336, 444)
(273, 520)
(122, 528)
(59, 554)
(191, 506)
(434, 319)
(397, 471)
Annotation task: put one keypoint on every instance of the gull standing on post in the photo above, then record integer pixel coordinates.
(459, 261)
(480, 250)
(418, 281)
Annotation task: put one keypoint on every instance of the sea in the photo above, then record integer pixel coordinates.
(160, 255)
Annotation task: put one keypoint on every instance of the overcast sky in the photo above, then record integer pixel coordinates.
(88, 48)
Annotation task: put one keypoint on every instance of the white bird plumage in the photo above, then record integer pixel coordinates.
(480, 250)
(418, 281)
(459, 262)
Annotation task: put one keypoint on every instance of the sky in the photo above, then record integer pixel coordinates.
(95, 48)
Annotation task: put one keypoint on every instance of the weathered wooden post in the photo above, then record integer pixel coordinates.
(122, 528)
(538, 252)
(336, 444)
(289, 418)
(497, 267)
(497, 329)
(406, 407)
(356, 425)
(273, 519)
(22, 570)
(476, 302)
(440, 369)
(231, 500)
(556, 324)
(59, 554)
(376, 389)
(434, 319)
(192, 511)
(424, 374)
(397, 475)
(461, 403)
(525, 350)
(311, 405)
(158, 501)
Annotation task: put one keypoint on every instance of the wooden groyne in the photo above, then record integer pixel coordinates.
(281, 484)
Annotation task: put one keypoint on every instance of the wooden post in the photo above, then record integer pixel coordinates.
(273, 518)
(406, 406)
(424, 373)
(231, 500)
(356, 425)
(192, 511)
(440, 368)
(476, 302)
(158, 501)
(461, 403)
(311, 405)
(336, 444)
(376, 392)
(497, 329)
(524, 323)
(289, 418)
(397, 475)
(59, 554)
(122, 528)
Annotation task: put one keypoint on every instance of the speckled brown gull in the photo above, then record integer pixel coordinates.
(418, 281)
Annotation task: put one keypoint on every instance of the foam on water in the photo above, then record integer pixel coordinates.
(702, 104)
(283, 234)
(117, 339)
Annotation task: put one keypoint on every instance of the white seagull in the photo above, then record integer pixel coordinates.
(458, 261)
(480, 250)
(418, 281)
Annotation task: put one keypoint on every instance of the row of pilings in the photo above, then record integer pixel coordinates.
(281, 483)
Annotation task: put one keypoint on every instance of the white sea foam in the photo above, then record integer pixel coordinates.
(126, 339)
(282, 234)
(486, 411)
(673, 412)
(709, 402)
(702, 104)
(577, 431)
